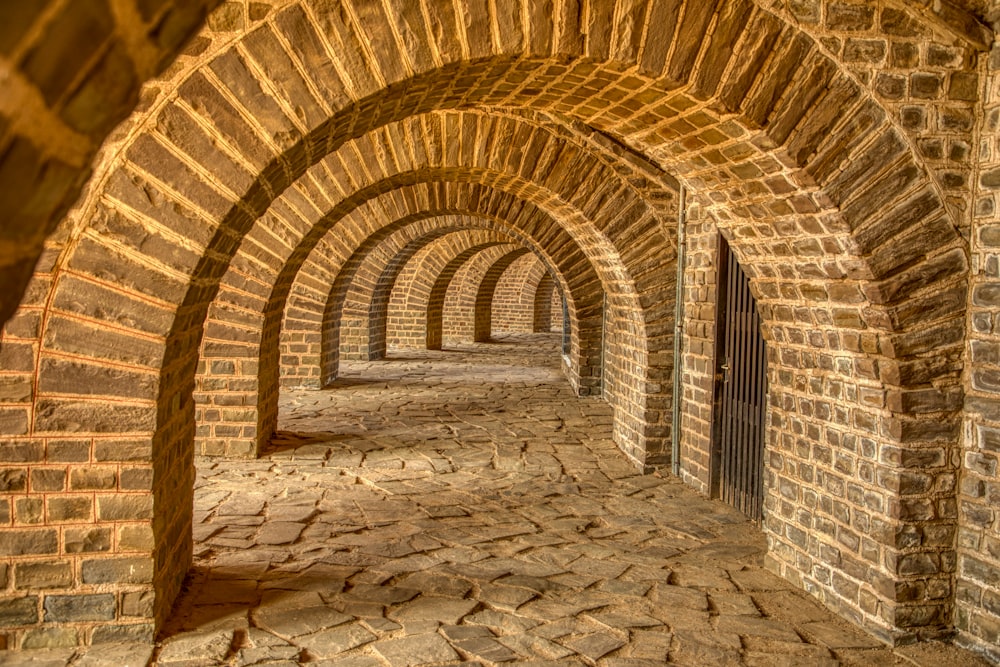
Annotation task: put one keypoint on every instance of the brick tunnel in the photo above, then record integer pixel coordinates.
(213, 207)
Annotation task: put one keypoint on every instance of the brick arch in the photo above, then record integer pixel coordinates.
(72, 72)
(583, 279)
(487, 289)
(281, 221)
(734, 136)
(514, 299)
(457, 298)
(542, 318)
(371, 300)
(437, 300)
(381, 295)
(360, 309)
(418, 304)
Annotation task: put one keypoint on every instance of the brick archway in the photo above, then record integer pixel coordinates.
(515, 298)
(820, 189)
(382, 295)
(371, 301)
(545, 312)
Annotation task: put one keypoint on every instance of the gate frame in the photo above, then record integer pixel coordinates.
(722, 324)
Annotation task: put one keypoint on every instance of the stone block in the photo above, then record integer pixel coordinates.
(135, 570)
(920, 616)
(15, 389)
(926, 85)
(48, 479)
(13, 421)
(129, 635)
(13, 480)
(29, 510)
(125, 507)
(42, 638)
(67, 451)
(872, 51)
(17, 356)
(62, 415)
(898, 22)
(139, 604)
(136, 479)
(122, 451)
(963, 86)
(19, 611)
(891, 86)
(87, 540)
(73, 608)
(918, 564)
(850, 16)
(47, 574)
(94, 478)
(66, 377)
(23, 324)
(989, 179)
(27, 542)
(92, 341)
(135, 537)
(64, 508)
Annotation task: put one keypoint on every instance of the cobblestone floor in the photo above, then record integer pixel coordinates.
(465, 507)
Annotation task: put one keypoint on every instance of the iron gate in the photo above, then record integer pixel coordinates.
(740, 392)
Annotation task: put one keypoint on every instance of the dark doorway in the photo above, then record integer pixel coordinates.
(740, 392)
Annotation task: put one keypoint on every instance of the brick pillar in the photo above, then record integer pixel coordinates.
(978, 575)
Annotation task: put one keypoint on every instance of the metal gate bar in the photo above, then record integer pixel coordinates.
(740, 393)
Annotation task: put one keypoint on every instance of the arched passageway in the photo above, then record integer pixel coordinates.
(284, 169)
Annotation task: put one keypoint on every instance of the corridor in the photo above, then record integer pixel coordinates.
(386, 528)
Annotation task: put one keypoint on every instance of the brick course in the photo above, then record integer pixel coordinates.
(847, 151)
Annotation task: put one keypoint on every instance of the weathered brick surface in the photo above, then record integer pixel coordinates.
(513, 305)
(978, 615)
(74, 73)
(416, 309)
(846, 149)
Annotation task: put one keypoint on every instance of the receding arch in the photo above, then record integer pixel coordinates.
(542, 311)
(484, 295)
(438, 293)
(382, 295)
(812, 132)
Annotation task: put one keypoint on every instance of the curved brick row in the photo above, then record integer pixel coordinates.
(547, 306)
(416, 317)
(513, 304)
(72, 71)
(371, 301)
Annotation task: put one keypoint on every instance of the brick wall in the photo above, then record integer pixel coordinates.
(72, 71)
(556, 308)
(461, 310)
(513, 308)
(829, 141)
(544, 314)
(698, 349)
(978, 592)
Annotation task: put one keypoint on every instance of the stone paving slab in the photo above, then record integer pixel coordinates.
(477, 512)
(465, 507)
(103, 655)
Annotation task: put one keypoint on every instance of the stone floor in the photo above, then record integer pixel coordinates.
(465, 507)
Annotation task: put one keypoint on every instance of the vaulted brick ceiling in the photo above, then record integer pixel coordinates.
(297, 154)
